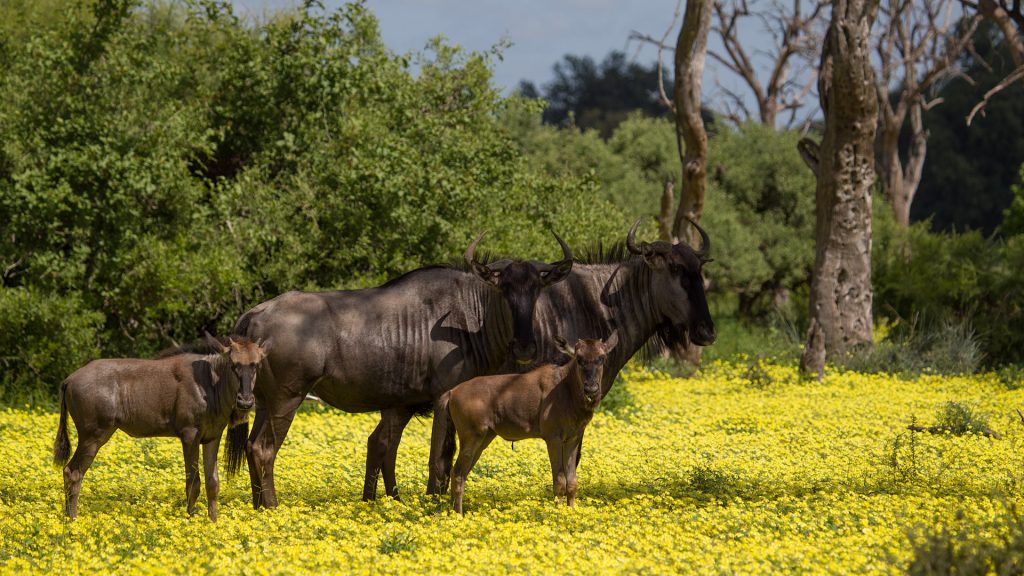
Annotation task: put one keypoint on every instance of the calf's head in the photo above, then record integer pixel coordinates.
(590, 356)
(677, 285)
(520, 283)
(245, 356)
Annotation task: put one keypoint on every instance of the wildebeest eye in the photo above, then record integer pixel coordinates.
(600, 360)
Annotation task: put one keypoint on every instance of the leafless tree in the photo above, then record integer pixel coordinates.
(917, 43)
(844, 165)
(1009, 17)
(796, 38)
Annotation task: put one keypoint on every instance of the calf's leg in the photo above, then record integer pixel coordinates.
(558, 454)
(89, 443)
(190, 449)
(471, 446)
(572, 459)
(212, 478)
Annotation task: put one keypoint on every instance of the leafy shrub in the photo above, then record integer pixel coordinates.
(961, 279)
(959, 418)
(170, 165)
(43, 338)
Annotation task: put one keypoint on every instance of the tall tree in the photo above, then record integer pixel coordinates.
(691, 137)
(917, 46)
(844, 165)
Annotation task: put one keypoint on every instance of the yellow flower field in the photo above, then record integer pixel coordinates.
(719, 474)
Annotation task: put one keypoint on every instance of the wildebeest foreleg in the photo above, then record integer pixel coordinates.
(265, 442)
(85, 453)
(255, 474)
(211, 477)
(190, 449)
(382, 451)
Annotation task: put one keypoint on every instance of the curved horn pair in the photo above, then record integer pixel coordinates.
(470, 255)
(702, 253)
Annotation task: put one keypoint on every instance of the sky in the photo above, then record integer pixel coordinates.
(541, 31)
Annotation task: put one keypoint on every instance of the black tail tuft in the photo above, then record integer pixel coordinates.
(62, 444)
(238, 435)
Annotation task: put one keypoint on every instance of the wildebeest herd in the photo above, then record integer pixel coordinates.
(537, 345)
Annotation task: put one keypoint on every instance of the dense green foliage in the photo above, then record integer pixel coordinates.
(165, 166)
(922, 279)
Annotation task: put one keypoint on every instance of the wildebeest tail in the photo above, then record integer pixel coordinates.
(62, 444)
(238, 435)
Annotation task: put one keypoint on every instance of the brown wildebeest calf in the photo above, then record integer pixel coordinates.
(186, 395)
(551, 402)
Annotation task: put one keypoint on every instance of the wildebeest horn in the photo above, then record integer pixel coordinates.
(470, 255)
(705, 241)
(631, 239)
(566, 251)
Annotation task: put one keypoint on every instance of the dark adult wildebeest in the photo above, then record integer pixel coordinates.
(551, 402)
(185, 395)
(395, 348)
(659, 292)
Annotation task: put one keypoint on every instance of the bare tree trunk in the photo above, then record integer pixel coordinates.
(845, 168)
(900, 182)
(691, 138)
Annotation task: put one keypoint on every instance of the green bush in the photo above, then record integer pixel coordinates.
(168, 165)
(43, 338)
(956, 279)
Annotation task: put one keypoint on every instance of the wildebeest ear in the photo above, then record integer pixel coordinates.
(215, 344)
(486, 274)
(557, 272)
(610, 343)
(564, 347)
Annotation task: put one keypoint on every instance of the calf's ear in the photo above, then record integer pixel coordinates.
(215, 344)
(610, 343)
(564, 347)
(267, 345)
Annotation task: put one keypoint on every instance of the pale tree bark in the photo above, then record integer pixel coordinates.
(691, 138)
(916, 47)
(793, 28)
(845, 167)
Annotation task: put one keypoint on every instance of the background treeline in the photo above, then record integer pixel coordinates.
(164, 166)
